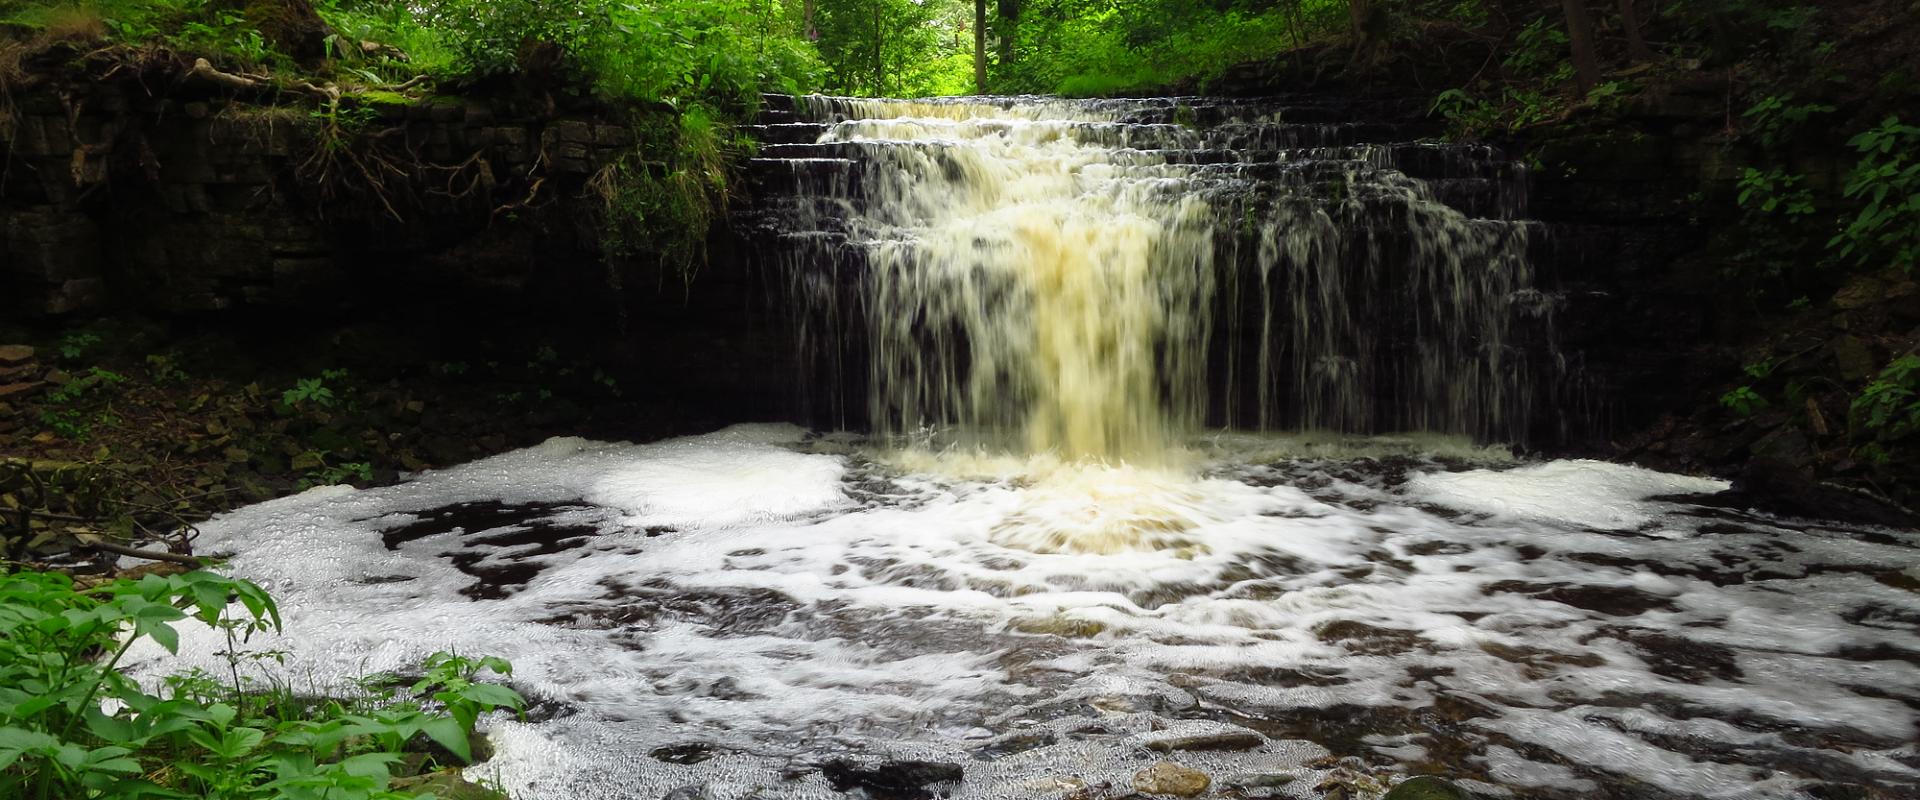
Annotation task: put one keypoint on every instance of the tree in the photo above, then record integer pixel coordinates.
(980, 46)
(1586, 59)
(1637, 50)
(1368, 19)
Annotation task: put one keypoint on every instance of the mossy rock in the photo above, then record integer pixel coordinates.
(1427, 787)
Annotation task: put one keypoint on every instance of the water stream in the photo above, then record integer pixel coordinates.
(1078, 538)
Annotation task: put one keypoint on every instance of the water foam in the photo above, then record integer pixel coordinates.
(776, 604)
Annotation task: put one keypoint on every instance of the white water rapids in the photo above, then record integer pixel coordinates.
(760, 605)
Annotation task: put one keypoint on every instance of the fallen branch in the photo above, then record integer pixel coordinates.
(149, 555)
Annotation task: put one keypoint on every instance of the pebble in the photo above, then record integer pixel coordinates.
(1169, 778)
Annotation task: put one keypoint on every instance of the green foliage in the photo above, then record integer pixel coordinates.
(76, 344)
(322, 469)
(895, 47)
(1887, 180)
(1774, 191)
(662, 209)
(1775, 120)
(165, 368)
(1743, 401)
(450, 682)
(1084, 48)
(1516, 107)
(314, 392)
(72, 725)
(1889, 407)
(73, 410)
(723, 52)
(205, 27)
(1540, 53)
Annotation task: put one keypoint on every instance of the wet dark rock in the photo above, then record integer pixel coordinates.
(698, 791)
(1259, 780)
(1427, 787)
(689, 753)
(891, 780)
(469, 518)
(1188, 736)
(1615, 601)
(1015, 742)
(1791, 488)
(1684, 659)
(1364, 639)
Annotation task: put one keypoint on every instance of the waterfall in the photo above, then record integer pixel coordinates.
(1097, 280)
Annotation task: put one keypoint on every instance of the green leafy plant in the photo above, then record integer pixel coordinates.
(314, 391)
(1775, 120)
(1889, 407)
(1774, 191)
(450, 680)
(72, 725)
(165, 369)
(1743, 401)
(75, 345)
(71, 411)
(1887, 181)
(326, 472)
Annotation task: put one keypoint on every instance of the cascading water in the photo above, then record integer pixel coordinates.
(1043, 576)
(1097, 280)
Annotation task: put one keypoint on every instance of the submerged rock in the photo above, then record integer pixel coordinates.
(696, 791)
(1259, 780)
(1427, 787)
(1169, 778)
(1201, 736)
(905, 780)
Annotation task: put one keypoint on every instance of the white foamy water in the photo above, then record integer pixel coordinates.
(772, 609)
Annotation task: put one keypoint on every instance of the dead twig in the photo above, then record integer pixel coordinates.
(149, 555)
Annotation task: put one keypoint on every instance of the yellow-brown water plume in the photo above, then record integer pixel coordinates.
(1027, 284)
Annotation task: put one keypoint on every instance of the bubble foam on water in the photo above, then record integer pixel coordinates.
(772, 603)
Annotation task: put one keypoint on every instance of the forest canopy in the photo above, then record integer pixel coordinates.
(725, 52)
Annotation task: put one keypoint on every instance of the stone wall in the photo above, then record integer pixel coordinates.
(173, 203)
(206, 210)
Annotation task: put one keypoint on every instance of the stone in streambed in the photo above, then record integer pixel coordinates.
(1169, 778)
(1427, 787)
(1200, 735)
(1259, 780)
(11, 354)
(888, 778)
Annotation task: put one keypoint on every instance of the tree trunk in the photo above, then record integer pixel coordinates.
(1637, 50)
(806, 22)
(979, 46)
(1369, 21)
(1586, 59)
(1359, 15)
(879, 45)
(1008, 28)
